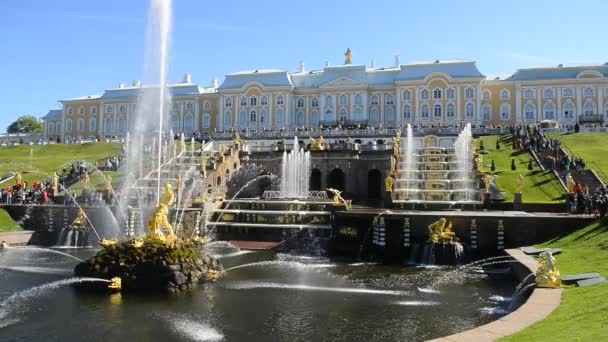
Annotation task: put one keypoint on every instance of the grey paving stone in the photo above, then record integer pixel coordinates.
(590, 282)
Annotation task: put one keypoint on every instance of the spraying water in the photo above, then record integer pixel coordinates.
(295, 170)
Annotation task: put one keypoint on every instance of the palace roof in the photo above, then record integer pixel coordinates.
(558, 72)
(53, 114)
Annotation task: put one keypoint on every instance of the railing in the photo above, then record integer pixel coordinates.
(597, 118)
(347, 146)
(310, 195)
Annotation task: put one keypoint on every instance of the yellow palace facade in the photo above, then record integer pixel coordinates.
(441, 92)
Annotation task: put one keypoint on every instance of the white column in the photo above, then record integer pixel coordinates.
(399, 110)
(114, 119)
(558, 110)
(100, 129)
(579, 101)
(478, 97)
(197, 123)
(459, 112)
(270, 120)
(539, 106)
(417, 99)
(518, 113)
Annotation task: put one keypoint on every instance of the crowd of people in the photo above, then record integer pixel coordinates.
(582, 201)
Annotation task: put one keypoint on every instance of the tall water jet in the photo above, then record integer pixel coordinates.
(295, 171)
(463, 148)
(410, 171)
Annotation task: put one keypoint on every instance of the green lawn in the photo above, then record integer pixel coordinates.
(592, 147)
(97, 181)
(583, 314)
(539, 186)
(39, 162)
(6, 222)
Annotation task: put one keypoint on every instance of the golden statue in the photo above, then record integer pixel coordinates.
(315, 144)
(389, 183)
(115, 284)
(237, 140)
(137, 243)
(570, 183)
(54, 183)
(109, 184)
(222, 150)
(338, 199)
(178, 184)
(393, 165)
(18, 179)
(397, 143)
(159, 219)
(547, 274)
(85, 183)
(168, 197)
(439, 233)
(348, 57)
(487, 181)
(79, 221)
(107, 243)
(520, 184)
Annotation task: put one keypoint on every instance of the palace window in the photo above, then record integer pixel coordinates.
(487, 112)
(329, 115)
(108, 125)
(263, 116)
(529, 93)
(228, 102)
(407, 95)
(189, 123)
(68, 126)
(374, 116)
(315, 102)
(80, 125)
(343, 115)
(300, 103)
(530, 112)
(504, 94)
(486, 95)
(206, 121)
(253, 101)
(175, 122)
(189, 105)
(227, 118)
(375, 100)
(358, 99)
(314, 118)
(437, 111)
(450, 93)
(242, 118)
(567, 92)
(589, 108)
(469, 110)
(424, 112)
(549, 111)
(505, 111)
(450, 111)
(424, 94)
(253, 116)
(243, 101)
(279, 118)
(207, 105)
(548, 93)
(301, 118)
(390, 100)
(469, 93)
(264, 101)
(93, 110)
(588, 92)
(70, 111)
(280, 99)
(92, 125)
(81, 110)
(122, 108)
(407, 112)
(121, 125)
(437, 94)
(359, 114)
(390, 115)
(343, 100)
(569, 111)
(51, 128)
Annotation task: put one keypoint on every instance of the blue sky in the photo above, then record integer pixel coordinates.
(51, 50)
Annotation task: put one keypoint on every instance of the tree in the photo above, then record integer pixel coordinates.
(25, 124)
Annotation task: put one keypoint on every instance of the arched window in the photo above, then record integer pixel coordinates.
(374, 116)
(450, 93)
(588, 91)
(228, 102)
(407, 112)
(328, 100)
(58, 128)
(253, 101)
(93, 110)
(206, 121)
(189, 123)
(122, 127)
(529, 93)
(300, 103)
(253, 116)
(243, 118)
(487, 112)
(486, 95)
(549, 111)
(469, 93)
(189, 105)
(51, 128)
(264, 101)
(375, 100)
(504, 94)
(343, 115)
(568, 110)
(301, 118)
(315, 102)
(437, 93)
(450, 111)
(390, 116)
(589, 108)
(227, 118)
(343, 100)
(424, 94)
(437, 111)
(530, 112)
(81, 110)
(358, 99)
(92, 125)
(80, 125)
(279, 118)
(390, 100)
(122, 109)
(314, 118)
(70, 111)
(68, 126)
(469, 110)
(263, 116)
(207, 105)
(108, 125)
(548, 93)
(505, 111)
(407, 95)
(280, 99)
(424, 111)
(359, 114)
(567, 92)
(175, 122)
(243, 101)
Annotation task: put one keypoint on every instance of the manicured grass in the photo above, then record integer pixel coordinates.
(539, 186)
(583, 314)
(97, 181)
(592, 147)
(6, 222)
(39, 162)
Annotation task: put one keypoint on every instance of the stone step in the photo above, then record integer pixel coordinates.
(573, 278)
(590, 282)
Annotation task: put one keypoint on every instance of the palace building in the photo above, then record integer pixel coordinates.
(441, 92)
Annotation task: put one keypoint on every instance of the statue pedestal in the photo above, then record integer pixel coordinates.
(486, 197)
(388, 199)
(517, 199)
